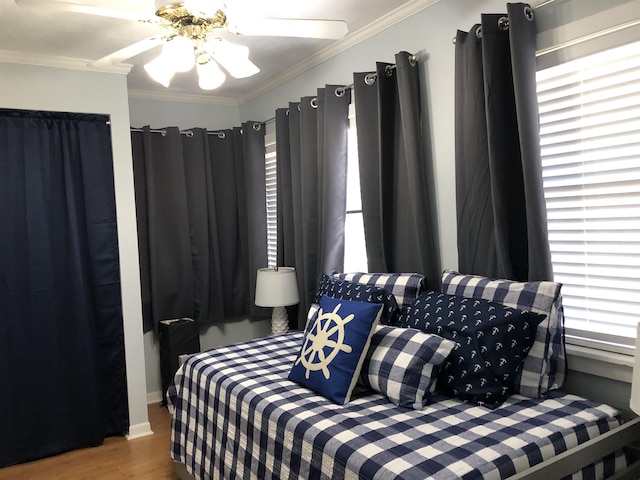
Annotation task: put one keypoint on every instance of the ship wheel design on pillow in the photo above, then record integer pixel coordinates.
(324, 341)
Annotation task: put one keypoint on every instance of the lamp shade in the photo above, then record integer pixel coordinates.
(276, 287)
(635, 381)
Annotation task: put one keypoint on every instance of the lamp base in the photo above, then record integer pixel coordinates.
(279, 321)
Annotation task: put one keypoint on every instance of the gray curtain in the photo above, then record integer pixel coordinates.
(200, 202)
(501, 211)
(311, 142)
(395, 176)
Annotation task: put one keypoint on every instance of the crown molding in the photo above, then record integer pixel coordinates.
(182, 97)
(401, 13)
(61, 62)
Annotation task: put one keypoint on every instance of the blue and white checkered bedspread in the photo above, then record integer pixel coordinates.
(235, 415)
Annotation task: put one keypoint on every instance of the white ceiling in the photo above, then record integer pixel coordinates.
(48, 36)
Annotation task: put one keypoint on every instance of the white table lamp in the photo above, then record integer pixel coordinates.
(277, 287)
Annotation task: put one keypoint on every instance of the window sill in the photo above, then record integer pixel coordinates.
(615, 366)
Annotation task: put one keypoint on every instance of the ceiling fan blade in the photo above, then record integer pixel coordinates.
(281, 27)
(132, 50)
(125, 9)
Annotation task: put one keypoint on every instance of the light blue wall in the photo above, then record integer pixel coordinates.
(159, 113)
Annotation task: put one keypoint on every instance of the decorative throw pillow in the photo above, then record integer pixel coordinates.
(311, 315)
(491, 343)
(334, 347)
(403, 364)
(546, 365)
(347, 290)
(405, 286)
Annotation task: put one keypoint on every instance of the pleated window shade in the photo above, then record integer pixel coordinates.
(590, 139)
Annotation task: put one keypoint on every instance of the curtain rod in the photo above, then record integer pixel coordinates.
(189, 133)
(542, 4)
(503, 22)
(371, 77)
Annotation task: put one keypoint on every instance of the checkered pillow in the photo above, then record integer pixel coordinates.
(545, 367)
(405, 286)
(403, 364)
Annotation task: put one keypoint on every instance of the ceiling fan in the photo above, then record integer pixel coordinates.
(193, 35)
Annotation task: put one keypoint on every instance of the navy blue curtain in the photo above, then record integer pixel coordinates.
(62, 362)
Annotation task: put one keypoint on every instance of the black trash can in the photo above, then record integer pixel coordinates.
(177, 336)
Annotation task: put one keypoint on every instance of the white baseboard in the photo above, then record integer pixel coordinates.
(139, 430)
(154, 397)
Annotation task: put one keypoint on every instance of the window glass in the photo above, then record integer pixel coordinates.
(355, 251)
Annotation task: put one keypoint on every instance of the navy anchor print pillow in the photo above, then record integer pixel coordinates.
(347, 290)
(491, 343)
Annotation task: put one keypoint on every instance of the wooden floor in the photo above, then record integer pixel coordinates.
(144, 458)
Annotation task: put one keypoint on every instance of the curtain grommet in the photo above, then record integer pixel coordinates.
(528, 13)
(257, 126)
(479, 33)
(314, 102)
(189, 133)
(222, 135)
(503, 23)
(413, 60)
(388, 70)
(370, 79)
(340, 91)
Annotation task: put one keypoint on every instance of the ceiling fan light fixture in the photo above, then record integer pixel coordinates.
(210, 76)
(179, 52)
(234, 58)
(160, 70)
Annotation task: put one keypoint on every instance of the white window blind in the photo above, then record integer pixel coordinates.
(590, 139)
(272, 200)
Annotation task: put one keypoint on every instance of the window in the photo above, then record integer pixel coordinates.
(590, 139)
(272, 200)
(355, 248)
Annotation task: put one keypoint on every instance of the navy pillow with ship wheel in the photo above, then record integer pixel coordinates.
(334, 347)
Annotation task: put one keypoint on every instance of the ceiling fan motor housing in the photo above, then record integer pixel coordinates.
(187, 22)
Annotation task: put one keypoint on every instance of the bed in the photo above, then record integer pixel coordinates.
(237, 412)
